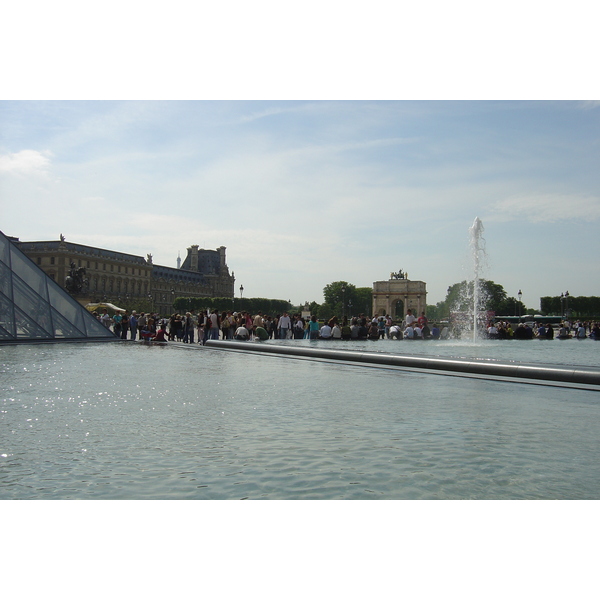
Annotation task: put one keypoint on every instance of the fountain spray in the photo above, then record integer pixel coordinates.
(477, 251)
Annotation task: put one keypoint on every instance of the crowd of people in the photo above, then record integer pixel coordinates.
(229, 325)
(502, 330)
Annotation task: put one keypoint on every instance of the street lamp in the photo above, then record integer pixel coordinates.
(567, 304)
(519, 296)
(343, 301)
(562, 305)
(241, 291)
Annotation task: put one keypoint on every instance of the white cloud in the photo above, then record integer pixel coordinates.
(25, 162)
(546, 208)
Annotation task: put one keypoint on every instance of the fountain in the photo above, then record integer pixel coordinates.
(477, 244)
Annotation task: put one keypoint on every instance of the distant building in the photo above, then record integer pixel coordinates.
(133, 281)
(395, 296)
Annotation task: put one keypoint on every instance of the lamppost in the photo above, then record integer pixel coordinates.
(241, 291)
(350, 307)
(519, 296)
(567, 304)
(343, 301)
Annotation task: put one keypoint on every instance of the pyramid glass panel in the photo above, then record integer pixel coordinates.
(29, 272)
(34, 307)
(95, 328)
(28, 329)
(63, 328)
(7, 318)
(63, 303)
(5, 280)
(5, 250)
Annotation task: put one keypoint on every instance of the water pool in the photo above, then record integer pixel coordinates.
(128, 421)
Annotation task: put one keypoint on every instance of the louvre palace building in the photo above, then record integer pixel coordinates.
(128, 281)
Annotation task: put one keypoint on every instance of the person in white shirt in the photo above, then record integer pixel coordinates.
(395, 333)
(284, 325)
(410, 318)
(326, 332)
(409, 332)
(336, 332)
(241, 333)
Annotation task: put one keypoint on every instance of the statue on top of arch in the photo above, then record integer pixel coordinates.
(399, 275)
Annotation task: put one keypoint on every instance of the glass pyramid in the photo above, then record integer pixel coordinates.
(34, 307)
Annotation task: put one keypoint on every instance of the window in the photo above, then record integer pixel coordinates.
(52, 260)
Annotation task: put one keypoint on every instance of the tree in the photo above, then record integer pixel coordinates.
(338, 296)
(492, 297)
(364, 301)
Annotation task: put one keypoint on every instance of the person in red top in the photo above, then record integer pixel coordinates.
(160, 335)
(422, 319)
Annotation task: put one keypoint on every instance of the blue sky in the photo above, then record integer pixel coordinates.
(303, 193)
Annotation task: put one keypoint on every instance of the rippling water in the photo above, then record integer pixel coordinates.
(127, 421)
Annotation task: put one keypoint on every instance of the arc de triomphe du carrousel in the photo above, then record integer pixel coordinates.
(395, 296)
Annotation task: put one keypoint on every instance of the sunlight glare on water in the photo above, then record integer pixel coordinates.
(125, 421)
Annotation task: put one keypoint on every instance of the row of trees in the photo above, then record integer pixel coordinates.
(572, 306)
(343, 298)
(492, 297)
(251, 305)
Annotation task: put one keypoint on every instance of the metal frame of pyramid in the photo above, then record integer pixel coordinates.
(34, 308)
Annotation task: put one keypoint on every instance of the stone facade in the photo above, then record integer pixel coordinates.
(386, 294)
(132, 281)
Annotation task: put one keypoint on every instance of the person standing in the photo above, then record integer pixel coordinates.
(410, 318)
(188, 329)
(299, 328)
(105, 319)
(117, 318)
(214, 325)
(124, 326)
(133, 324)
(142, 322)
(258, 321)
(313, 328)
(284, 325)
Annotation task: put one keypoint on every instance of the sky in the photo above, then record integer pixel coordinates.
(340, 148)
(304, 193)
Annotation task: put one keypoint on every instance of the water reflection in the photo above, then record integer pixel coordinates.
(89, 421)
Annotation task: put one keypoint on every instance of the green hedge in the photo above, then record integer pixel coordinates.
(578, 306)
(251, 305)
